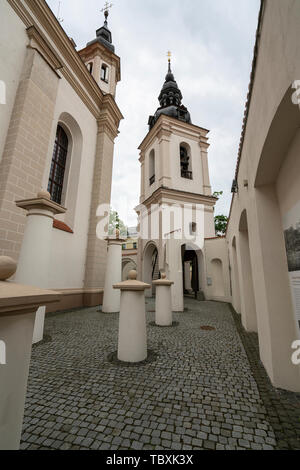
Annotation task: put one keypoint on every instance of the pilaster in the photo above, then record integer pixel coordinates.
(164, 137)
(204, 146)
(25, 153)
(101, 194)
(142, 161)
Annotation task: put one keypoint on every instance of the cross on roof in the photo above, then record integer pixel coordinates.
(169, 60)
(106, 8)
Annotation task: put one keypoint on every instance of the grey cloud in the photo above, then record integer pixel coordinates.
(212, 43)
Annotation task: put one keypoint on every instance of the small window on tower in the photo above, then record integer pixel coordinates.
(152, 167)
(104, 73)
(90, 67)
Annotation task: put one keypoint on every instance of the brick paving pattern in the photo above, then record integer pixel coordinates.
(204, 390)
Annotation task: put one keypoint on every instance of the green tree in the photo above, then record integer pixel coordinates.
(221, 222)
(115, 223)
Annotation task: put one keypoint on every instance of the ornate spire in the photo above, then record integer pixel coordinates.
(169, 54)
(105, 10)
(169, 76)
(170, 99)
(170, 94)
(104, 35)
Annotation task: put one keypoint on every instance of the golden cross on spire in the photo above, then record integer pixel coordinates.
(169, 60)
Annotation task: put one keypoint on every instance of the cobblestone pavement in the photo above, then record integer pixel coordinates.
(203, 390)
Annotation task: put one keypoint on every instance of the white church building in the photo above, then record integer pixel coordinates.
(176, 210)
(58, 123)
(57, 132)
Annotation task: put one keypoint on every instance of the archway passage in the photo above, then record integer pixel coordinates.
(249, 318)
(190, 270)
(277, 203)
(127, 266)
(217, 277)
(236, 281)
(150, 267)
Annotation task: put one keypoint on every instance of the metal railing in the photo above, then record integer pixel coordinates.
(187, 174)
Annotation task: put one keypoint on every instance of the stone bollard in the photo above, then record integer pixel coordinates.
(163, 302)
(18, 306)
(132, 345)
(34, 260)
(111, 297)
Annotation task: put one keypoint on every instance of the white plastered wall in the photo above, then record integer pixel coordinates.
(69, 250)
(150, 189)
(288, 185)
(261, 197)
(216, 257)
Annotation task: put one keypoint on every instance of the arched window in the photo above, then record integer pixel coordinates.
(58, 165)
(152, 167)
(185, 162)
(104, 73)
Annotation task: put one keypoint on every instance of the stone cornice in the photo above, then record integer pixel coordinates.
(90, 51)
(21, 12)
(166, 124)
(78, 291)
(180, 197)
(41, 203)
(38, 43)
(203, 142)
(16, 299)
(32, 12)
(63, 43)
(110, 105)
(107, 128)
(109, 118)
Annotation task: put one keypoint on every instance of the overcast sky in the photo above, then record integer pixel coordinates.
(212, 45)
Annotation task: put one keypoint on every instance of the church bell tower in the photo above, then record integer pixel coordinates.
(173, 154)
(174, 172)
(100, 58)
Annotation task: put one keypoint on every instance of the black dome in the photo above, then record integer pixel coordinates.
(170, 101)
(104, 36)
